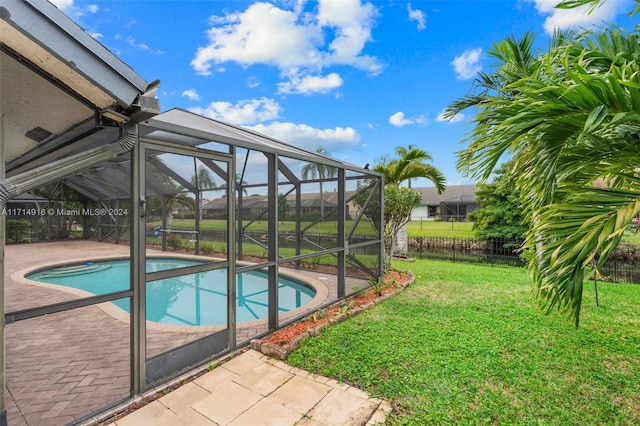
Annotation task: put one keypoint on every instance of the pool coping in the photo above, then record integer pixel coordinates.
(322, 293)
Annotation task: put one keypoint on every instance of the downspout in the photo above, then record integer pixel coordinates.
(36, 178)
(32, 179)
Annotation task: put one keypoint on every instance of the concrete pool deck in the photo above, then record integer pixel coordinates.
(62, 367)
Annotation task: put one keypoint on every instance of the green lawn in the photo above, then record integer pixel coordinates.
(415, 228)
(440, 229)
(466, 344)
(631, 236)
(328, 227)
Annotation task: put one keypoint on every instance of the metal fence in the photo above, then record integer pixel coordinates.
(501, 252)
(622, 266)
(33, 232)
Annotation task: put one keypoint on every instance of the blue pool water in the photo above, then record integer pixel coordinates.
(196, 299)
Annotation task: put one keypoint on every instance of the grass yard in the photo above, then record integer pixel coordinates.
(466, 344)
(429, 228)
(415, 228)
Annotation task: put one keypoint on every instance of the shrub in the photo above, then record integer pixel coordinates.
(207, 248)
(174, 242)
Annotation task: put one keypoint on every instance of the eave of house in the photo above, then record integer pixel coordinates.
(56, 81)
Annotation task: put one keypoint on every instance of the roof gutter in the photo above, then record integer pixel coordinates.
(36, 178)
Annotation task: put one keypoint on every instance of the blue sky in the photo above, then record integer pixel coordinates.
(355, 77)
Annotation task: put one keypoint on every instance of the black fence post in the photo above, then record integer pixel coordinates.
(453, 249)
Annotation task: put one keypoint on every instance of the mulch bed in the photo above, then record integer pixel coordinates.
(281, 342)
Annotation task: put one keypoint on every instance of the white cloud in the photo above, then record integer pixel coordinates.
(399, 120)
(253, 82)
(310, 84)
(578, 17)
(466, 64)
(244, 112)
(297, 42)
(351, 22)
(75, 11)
(191, 94)
(455, 119)
(418, 16)
(261, 34)
(305, 136)
(142, 46)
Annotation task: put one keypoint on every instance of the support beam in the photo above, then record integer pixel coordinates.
(231, 249)
(116, 179)
(163, 168)
(198, 212)
(341, 240)
(82, 190)
(98, 186)
(272, 226)
(214, 168)
(138, 271)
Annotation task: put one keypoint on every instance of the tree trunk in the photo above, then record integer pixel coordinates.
(321, 202)
(401, 246)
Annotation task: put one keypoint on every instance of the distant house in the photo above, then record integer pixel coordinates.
(456, 202)
(310, 203)
(252, 205)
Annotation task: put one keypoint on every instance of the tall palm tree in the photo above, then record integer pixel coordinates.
(173, 200)
(202, 180)
(319, 171)
(571, 120)
(240, 183)
(410, 164)
(167, 191)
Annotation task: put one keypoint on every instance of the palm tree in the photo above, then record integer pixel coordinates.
(410, 164)
(240, 183)
(320, 171)
(173, 200)
(202, 180)
(167, 191)
(569, 119)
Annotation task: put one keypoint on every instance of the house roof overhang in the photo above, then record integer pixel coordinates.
(62, 91)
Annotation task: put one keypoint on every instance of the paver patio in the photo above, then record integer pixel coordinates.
(255, 390)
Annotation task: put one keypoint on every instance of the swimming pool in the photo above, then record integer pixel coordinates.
(195, 300)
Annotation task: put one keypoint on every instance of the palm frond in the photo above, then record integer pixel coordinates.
(569, 117)
(586, 225)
